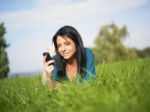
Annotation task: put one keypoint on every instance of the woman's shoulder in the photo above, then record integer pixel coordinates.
(89, 54)
(88, 51)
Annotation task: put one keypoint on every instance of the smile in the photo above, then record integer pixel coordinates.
(65, 54)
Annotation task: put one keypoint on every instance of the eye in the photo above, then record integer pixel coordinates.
(58, 45)
(67, 43)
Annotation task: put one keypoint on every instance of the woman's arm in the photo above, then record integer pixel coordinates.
(47, 73)
(90, 66)
(47, 79)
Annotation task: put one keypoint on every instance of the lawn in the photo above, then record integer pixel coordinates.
(118, 87)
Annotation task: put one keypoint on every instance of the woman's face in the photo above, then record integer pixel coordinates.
(66, 47)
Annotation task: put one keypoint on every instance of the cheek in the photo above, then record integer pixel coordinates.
(59, 50)
(73, 49)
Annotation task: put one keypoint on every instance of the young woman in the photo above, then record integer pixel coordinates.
(72, 60)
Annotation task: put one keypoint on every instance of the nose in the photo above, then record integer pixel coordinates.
(63, 48)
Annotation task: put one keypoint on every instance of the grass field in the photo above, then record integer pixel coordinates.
(118, 87)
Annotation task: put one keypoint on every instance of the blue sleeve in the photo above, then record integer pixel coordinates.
(90, 66)
(55, 74)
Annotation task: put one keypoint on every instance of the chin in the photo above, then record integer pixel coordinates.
(66, 58)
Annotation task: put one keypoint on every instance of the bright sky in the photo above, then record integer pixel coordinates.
(30, 24)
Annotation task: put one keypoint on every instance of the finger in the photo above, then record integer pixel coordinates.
(49, 69)
(50, 62)
(50, 49)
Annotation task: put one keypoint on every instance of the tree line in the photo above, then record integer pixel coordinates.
(4, 63)
(108, 47)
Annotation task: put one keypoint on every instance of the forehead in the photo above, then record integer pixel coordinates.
(62, 39)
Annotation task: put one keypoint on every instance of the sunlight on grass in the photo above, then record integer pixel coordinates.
(118, 87)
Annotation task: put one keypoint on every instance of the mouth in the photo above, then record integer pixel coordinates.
(65, 54)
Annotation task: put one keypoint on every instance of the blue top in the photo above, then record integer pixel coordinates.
(90, 67)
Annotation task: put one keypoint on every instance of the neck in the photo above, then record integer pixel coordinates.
(71, 69)
(71, 60)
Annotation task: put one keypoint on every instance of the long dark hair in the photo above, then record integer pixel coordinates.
(72, 33)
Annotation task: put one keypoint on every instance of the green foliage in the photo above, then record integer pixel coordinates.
(4, 69)
(109, 47)
(118, 87)
(144, 53)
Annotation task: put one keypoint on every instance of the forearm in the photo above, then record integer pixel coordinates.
(50, 82)
(47, 79)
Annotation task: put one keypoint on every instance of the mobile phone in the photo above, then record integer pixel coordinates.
(48, 57)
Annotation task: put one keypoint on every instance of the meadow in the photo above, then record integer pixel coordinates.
(118, 87)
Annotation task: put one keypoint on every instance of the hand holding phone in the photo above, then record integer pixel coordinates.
(48, 57)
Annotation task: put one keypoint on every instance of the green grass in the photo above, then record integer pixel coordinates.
(118, 87)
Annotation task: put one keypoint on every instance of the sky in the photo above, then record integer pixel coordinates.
(31, 24)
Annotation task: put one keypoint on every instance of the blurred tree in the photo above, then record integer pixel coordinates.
(108, 45)
(144, 53)
(4, 68)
